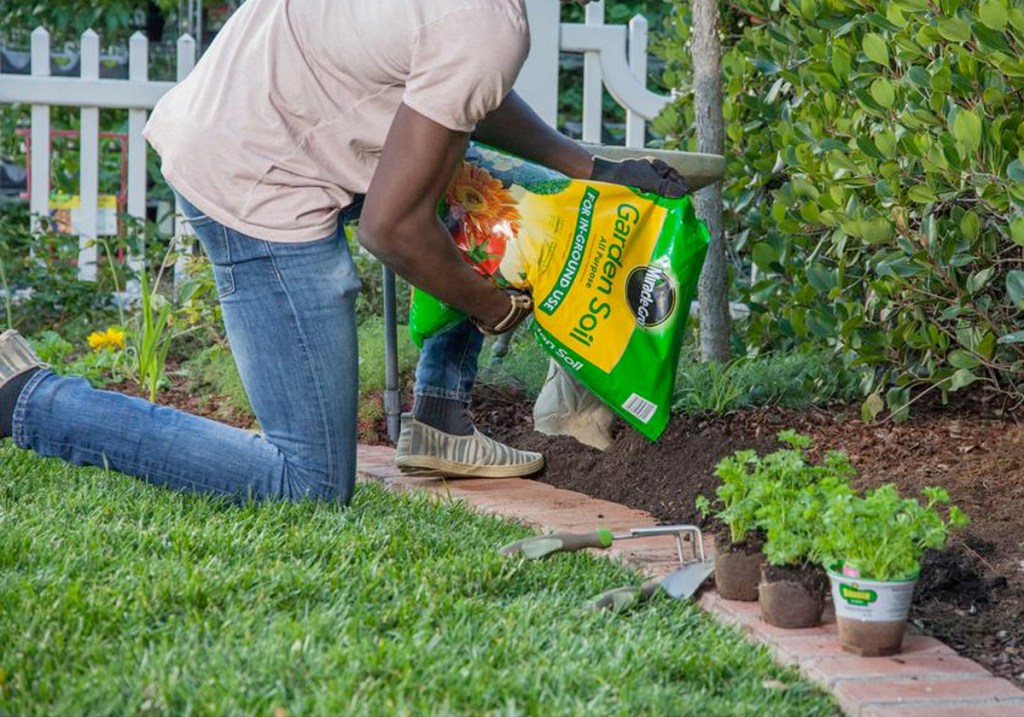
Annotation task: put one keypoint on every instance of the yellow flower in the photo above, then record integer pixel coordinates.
(112, 338)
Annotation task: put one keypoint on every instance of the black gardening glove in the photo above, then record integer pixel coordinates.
(647, 175)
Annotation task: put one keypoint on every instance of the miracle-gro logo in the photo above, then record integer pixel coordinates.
(857, 596)
(651, 295)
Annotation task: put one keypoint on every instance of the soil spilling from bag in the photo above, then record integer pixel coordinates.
(971, 595)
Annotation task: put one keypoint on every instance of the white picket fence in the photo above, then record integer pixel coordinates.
(615, 58)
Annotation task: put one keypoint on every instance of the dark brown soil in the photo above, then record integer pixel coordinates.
(792, 597)
(971, 595)
(737, 566)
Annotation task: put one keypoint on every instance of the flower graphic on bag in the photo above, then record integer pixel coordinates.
(482, 217)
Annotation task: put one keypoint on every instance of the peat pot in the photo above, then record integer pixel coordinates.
(871, 614)
(738, 571)
(792, 597)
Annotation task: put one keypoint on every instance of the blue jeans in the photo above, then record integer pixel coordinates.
(289, 312)
(448, 362)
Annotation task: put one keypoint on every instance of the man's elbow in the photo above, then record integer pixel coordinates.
(376, 236)
(367, 236)
(384, 240)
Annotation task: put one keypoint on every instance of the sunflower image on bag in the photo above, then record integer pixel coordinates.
(612, 272)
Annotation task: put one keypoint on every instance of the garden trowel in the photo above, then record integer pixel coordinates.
(682, 583)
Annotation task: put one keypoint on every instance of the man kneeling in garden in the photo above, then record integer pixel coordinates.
(299, 116)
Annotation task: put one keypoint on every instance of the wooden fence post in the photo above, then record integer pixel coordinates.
(184, 237)
(138, 71)
(538, 80)
(89, 164)
(39, 189)
(636, 126)
(593, 80)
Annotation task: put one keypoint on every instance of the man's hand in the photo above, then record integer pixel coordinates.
(647, 175)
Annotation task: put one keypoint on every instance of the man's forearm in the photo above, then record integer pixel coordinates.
(399, 222)
(421, 251)
(516, 128)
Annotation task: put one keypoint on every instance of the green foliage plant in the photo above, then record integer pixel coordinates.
(8, 310)
(796, 379)
(875, 184)
(100, 368)
(115, 20)
(155, 325)
(737, 495)
(883, 535)
(744, 477)
(149, 335)
(708, 387)
(793, 503)
(159, 319)
(212, 370)
(42, 289)
(782, 495)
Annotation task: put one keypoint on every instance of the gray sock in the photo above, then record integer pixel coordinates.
(9, 397)
(444, 414)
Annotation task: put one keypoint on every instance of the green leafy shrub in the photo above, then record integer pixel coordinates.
(796, 379)
(212, 370)
(40, 284)
(370, 302)
(883, 535)
(149, 336)
(737, 495)
(115, 20)
(99, 367)
(875, 183)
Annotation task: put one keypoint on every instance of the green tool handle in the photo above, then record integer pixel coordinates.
(544, 545)
(621, 599)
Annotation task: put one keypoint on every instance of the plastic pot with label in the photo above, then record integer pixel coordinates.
(871, 614)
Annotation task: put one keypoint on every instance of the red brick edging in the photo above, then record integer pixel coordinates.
(927, 679)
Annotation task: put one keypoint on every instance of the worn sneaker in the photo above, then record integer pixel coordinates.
(423, 449)
(16, 357)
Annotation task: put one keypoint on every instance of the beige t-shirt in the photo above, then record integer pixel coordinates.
(283, 118)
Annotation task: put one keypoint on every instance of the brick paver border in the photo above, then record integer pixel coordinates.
(927, 679)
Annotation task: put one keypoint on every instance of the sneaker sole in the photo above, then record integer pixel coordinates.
(432, 465)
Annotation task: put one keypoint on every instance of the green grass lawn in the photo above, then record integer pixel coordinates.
(122, 599)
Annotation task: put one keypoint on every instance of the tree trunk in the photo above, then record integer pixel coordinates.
(156, 19)
(713, 289)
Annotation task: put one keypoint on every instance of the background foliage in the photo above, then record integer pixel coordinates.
(114, 20)
(875, 188)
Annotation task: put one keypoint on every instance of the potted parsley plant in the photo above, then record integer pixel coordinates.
(738, 539)
(873, 548)
(793, 583)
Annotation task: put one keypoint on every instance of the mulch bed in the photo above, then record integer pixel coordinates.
(971, 595)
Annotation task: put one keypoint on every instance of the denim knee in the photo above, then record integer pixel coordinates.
(334, 486)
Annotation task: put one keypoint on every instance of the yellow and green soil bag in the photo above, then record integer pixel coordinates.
(612, 272)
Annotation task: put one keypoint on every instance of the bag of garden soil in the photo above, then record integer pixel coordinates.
(612, 273)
